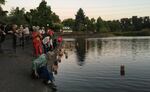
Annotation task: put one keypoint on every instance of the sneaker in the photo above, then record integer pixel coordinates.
(45, 82)
(53, 84)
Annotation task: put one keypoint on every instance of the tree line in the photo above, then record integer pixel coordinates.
(41, 16)
(44, 16)
(84, 23)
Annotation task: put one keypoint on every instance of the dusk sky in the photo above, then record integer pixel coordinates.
(107, 9)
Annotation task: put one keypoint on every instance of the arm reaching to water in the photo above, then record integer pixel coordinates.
(38, 63)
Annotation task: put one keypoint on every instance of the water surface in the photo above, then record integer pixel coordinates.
(94, 64)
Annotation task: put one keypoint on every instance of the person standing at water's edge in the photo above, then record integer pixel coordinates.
(36, 36)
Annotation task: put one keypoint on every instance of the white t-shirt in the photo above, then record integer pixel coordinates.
(46, 40)
(26, 31)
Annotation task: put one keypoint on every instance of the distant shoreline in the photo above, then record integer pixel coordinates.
(145, 32)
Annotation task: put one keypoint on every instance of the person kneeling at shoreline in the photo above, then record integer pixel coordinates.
(40, 69)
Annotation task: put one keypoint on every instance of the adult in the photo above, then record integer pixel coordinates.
(26, 33)
(36, 37)
(40, 68)
(14, 34)
(2, 36)
(21, 35)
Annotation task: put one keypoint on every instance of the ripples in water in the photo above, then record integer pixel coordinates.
(94, 65)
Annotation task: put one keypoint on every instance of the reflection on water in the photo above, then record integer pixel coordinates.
(107, 47)
(97, 65)
(80, 50)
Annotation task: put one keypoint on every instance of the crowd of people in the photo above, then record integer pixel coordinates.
(19, 34)
(46, 62)
(47, 48)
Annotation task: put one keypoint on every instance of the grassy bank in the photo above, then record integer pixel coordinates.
(145, 32)
(87, 35)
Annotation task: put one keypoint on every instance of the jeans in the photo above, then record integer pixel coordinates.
(45, 74)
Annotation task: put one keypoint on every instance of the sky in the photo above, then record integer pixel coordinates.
(106, 9)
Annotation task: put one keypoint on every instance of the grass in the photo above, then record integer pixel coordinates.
(144, 32)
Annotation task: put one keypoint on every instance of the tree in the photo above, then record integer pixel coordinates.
(69, 23)
(2, 12)
(126, 24)
(114, 26)
(90, 24)
(3, 15)
(80, 21)
(32, 17)
(136, 23)
(43, 16)
(55, 18)
(2, 1)
(17, 16)
(57, 27)
(100, 25)
(146, 21)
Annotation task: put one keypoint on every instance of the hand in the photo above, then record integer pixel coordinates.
(36, 74)
(4, 33)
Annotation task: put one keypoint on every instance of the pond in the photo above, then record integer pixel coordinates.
(94, 64)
